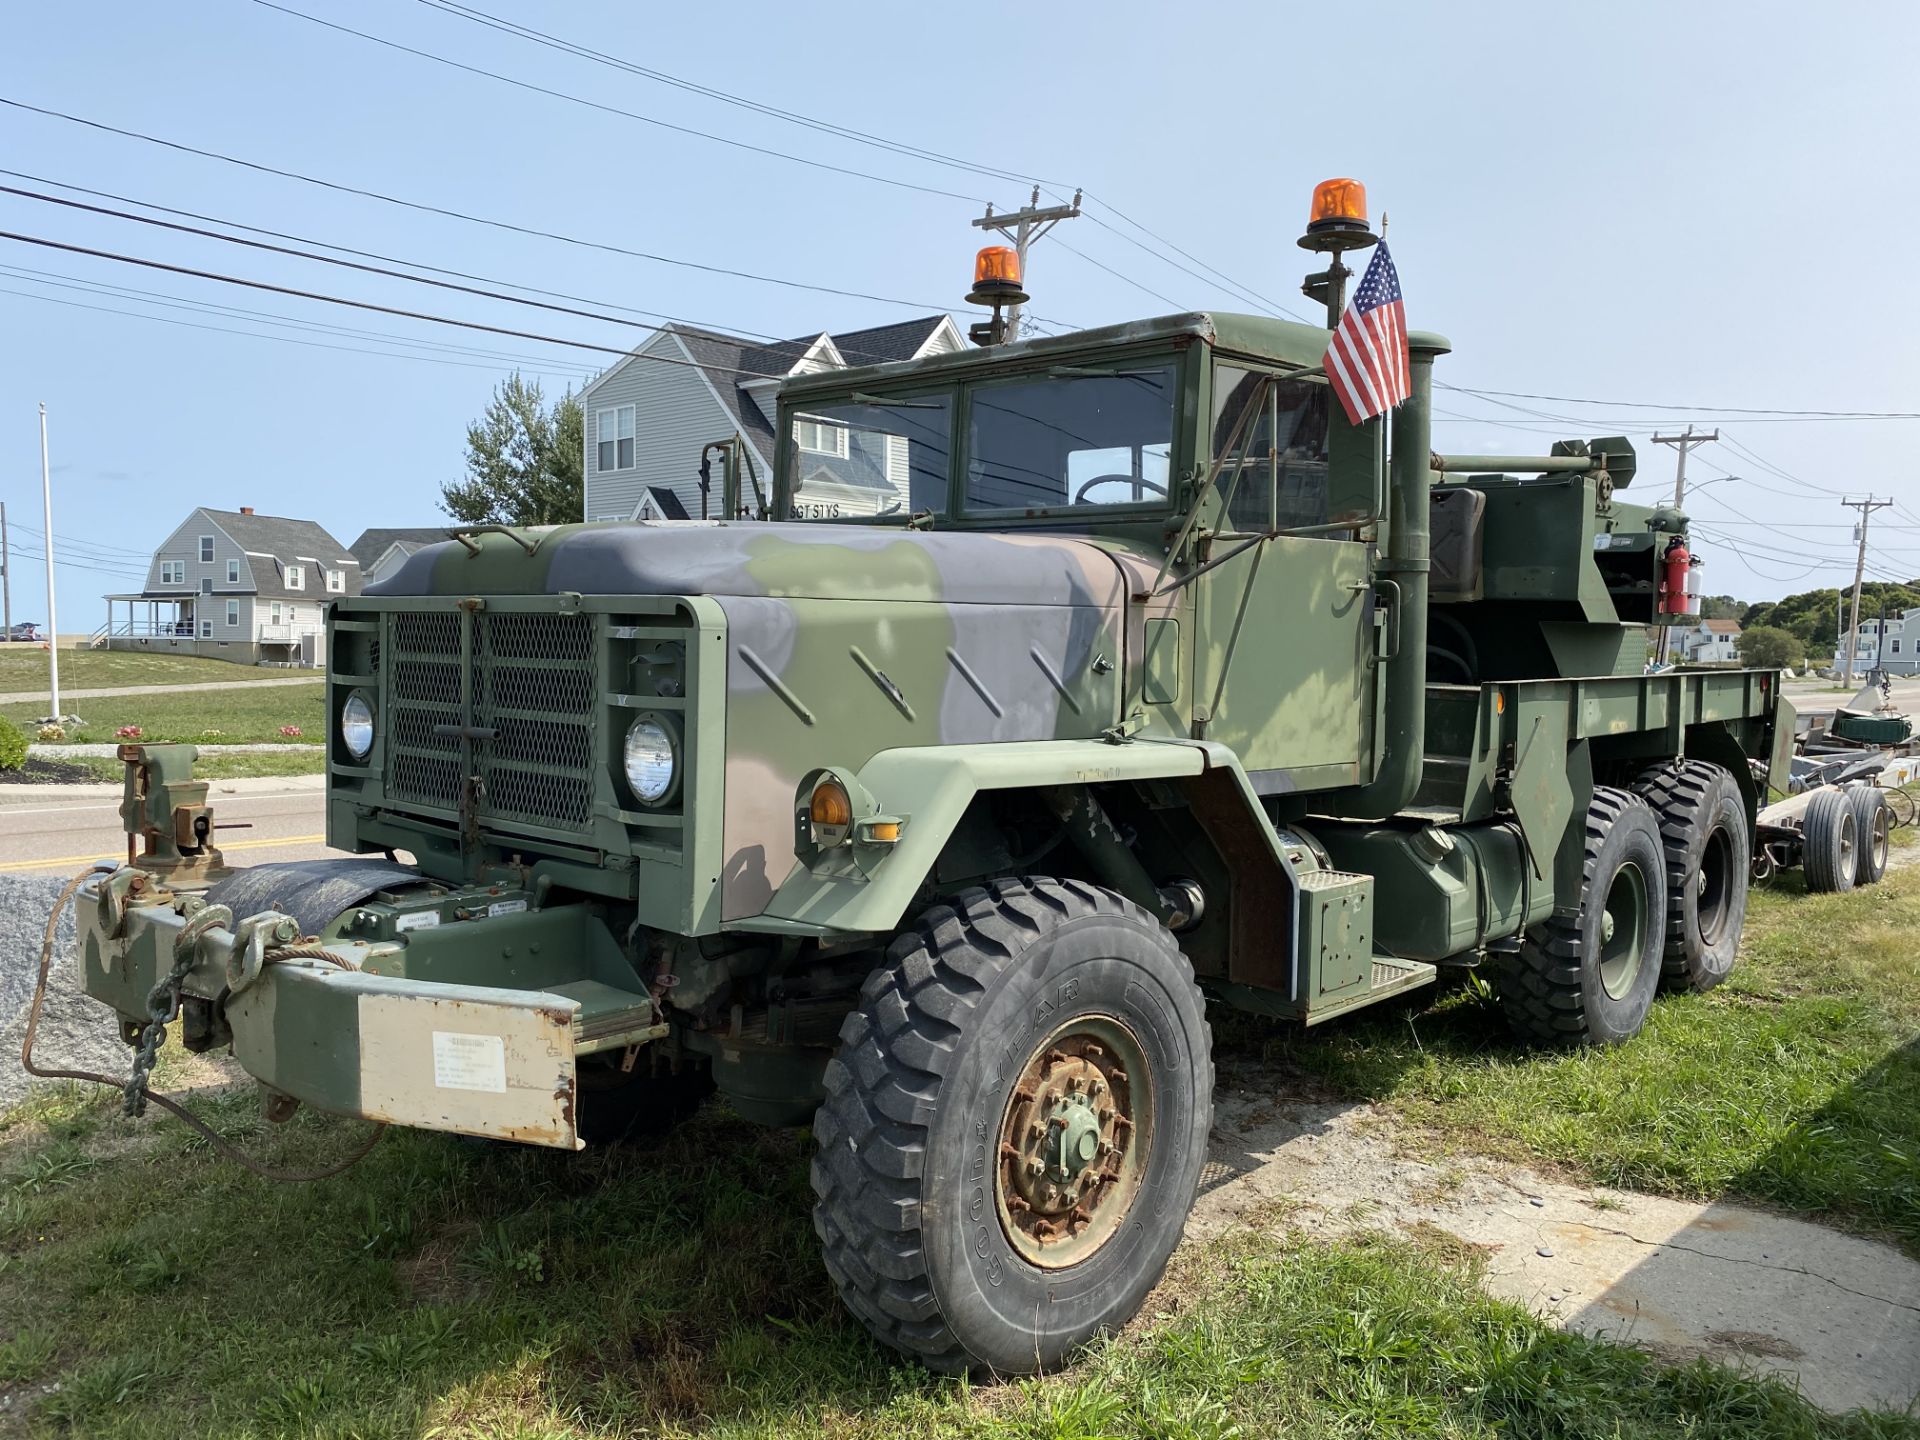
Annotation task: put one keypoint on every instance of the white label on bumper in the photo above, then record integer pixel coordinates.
(505, 907)
(469, 1062)
(418, 920)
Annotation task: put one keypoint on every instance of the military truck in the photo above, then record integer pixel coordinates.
(1123, 677)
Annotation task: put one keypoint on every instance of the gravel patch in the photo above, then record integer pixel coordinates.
(75, 1031)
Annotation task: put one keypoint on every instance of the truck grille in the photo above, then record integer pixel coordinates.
(530, 682)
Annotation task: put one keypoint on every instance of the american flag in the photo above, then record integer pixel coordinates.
(1367, 357)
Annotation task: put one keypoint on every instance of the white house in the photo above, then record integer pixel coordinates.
(649, 415)
(381, 552)
(234, 585)
(1897, 650)
(1711, 642)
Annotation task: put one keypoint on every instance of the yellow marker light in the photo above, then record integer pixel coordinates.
(831, 813)
(1337, 201)
(884, 832)
(1499, 702)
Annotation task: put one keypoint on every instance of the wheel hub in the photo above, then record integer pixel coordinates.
(1072, 1143)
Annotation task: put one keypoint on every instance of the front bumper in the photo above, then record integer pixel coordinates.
(473, 1059)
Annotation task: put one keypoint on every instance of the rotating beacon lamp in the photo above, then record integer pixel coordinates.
(1336, 223)
(996, 282)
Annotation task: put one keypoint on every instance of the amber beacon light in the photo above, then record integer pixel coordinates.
(996, 277)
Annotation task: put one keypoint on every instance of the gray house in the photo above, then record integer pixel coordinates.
(649, 415)
(234, 585)
(381, 552)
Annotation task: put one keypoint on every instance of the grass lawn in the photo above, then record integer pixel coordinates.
(1796, 1083)
(241, 766)
(24, 667)
(449, 1290)
(246, 713)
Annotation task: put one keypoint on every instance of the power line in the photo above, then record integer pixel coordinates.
(615, 109)
(369, 305)
(726, 97)
(179, 302)
(1706, 409)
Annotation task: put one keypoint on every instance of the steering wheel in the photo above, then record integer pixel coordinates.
(1080, 495)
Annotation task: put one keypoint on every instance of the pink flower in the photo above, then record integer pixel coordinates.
(292, 732)
(128, 732)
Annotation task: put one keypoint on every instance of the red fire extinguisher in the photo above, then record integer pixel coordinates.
(1677, 561)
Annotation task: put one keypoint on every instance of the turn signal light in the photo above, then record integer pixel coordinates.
(883, 832)
(830, 805)
(1339, 201)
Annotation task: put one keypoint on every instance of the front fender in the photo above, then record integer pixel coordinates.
(933, 786)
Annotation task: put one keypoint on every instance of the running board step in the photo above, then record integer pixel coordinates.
(1391, 976)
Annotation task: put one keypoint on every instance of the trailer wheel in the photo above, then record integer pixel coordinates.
(1589, 978)
(1829, 841)
(1014, 1126)
(1703, 829)
(1872, 827)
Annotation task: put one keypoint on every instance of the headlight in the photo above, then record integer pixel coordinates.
(356, 725)
(650, 759)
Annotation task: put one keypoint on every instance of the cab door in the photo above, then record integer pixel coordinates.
(1286, 647)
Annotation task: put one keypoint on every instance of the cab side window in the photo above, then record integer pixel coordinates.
(1276, 472)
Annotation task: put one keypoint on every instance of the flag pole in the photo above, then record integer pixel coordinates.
(53, 620)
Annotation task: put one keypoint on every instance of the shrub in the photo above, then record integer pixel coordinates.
(13, 745)
(128, 732)
(51, 734)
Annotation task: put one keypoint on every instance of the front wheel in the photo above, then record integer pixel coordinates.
(1014, 1126)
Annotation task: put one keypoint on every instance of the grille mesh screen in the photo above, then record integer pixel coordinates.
(531, 684)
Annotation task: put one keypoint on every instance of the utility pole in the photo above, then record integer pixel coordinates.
(1023, 227)
(1682, 443)
(6, 578)
(53, 623)
(1866, 508)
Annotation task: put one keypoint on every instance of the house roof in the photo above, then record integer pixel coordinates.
(667, 502)
(374, 543)
(731, 361)
(281, 537)
(1722, 627)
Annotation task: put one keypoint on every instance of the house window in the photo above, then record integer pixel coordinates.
(1896, 647)
(276, 612)
(233, 572)
(173, 572)
(296, 578)
(206, 629)
(206, 549)
(816, 437)
(337, 582)
(614, 430)
(233, 613)
(206, 585)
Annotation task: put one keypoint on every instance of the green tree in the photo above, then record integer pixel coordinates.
(1722, 607)
(524, 460)
(1767, 647)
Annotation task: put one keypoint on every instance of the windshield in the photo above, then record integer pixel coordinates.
(870, 457)
(1091, 438)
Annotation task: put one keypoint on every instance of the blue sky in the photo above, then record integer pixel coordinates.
(1669, 205)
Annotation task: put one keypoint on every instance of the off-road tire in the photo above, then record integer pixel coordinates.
(1552, 988)
(1829, 842)
(908, 1135)
(613, 1108)
(1703, 828)
(1872, 822)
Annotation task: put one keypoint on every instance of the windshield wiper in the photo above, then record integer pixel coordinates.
(860, 397)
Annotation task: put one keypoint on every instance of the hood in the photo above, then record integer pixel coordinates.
(789, 560)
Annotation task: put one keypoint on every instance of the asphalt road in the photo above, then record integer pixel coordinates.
(58, 836)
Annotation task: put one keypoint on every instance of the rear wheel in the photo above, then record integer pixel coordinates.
(1873, 832)
(1589, 978)
(1703, 830)
(1014, 1126)
(1829, 842)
